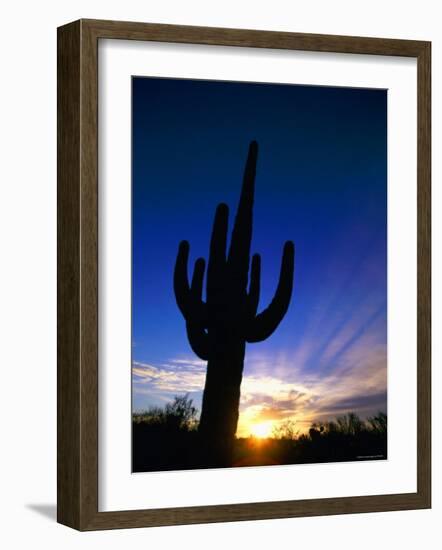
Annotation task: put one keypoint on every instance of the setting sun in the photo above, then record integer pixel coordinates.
(262, 430)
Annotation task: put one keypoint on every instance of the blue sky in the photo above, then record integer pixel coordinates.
(321, 182)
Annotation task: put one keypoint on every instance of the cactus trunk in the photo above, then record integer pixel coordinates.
(219, 414)
(219, 327)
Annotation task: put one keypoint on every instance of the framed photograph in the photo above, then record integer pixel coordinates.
(243, 275)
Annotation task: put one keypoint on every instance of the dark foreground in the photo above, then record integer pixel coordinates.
(169, 443)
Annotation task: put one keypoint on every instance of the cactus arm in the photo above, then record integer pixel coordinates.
(239, 252)
(198, 340)
(196, 334)
(196, 287)
(189, 302)
(217, 256)
(266, 322)
(180, 279)
(254, 287)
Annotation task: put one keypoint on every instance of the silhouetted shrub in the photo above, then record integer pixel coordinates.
(167, 439)
(178, 415)
(285, 430)
(378, 423)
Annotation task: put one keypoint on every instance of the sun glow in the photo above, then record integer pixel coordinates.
(262, 430)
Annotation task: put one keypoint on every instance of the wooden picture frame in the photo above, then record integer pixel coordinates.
(77, 461)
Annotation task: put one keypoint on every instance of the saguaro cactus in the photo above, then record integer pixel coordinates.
(219, 327)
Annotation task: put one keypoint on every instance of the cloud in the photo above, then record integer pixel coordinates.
(284, 401)
(351, 380)
(358, 403)
(169, 378)
(189, 362)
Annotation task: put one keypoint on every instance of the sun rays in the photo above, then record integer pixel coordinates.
(349, 370)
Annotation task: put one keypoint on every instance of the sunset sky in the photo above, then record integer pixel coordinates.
(321, 182)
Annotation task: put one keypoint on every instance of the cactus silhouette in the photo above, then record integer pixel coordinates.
(219, 327)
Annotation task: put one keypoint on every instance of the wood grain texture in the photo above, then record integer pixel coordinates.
(78, 274)
(253, 38)
(424, 274)
(89, 277)
(68, 276)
